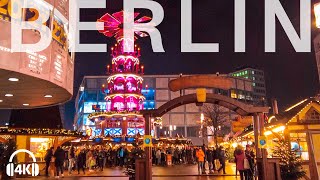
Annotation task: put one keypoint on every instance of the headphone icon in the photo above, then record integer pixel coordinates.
(34, 165)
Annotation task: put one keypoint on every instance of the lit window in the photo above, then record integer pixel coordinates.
(252, 72)
(253, 84)
(233, 94)
(246, 72)
(299, 145)
(253, 78)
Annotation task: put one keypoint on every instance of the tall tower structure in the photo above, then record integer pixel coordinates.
(124, 84)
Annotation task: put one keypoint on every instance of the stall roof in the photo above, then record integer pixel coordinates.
(286, 115)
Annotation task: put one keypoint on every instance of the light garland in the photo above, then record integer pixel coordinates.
(110, 96)
(114, 113)
(30, 131)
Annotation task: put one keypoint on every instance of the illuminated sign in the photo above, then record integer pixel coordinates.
(89, 106)
(43, 8)
(60, 29)
(5, 10)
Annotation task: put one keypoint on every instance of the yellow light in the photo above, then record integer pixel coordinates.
(278, 129)
(296, 105)
(267, 133)
(317, 14)
(272, 117)
(234, 145)
(201, 95)
(40, 140)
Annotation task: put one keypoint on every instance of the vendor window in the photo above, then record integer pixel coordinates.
(39, 146)
(299, 145)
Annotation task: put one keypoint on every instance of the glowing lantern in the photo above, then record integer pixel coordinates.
(201, 95)
(317, 14)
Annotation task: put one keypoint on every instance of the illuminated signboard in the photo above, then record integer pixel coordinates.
(60, 29)
(5, 10)
(89, 106)
(43, 8)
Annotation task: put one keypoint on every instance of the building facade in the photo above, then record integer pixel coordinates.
(185, 119)
(258, 83)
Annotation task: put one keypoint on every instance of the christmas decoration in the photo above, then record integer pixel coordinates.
(31, 131)
(124, 84)
(290, 162)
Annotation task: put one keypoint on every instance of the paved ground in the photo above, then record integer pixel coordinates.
(178, 172)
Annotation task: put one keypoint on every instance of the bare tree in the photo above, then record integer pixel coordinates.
(215, 117)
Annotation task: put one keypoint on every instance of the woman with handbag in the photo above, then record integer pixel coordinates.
(241, 162)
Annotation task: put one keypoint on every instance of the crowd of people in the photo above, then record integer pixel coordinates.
(96, 158)
(203, 155)
(83, 159)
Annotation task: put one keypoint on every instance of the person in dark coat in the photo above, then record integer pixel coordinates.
(222, 159)
(47, 159)
(58, 162)
(81, 161)
(250, 156)
(209, 158)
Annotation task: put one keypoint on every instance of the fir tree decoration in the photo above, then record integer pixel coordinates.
(290, 162)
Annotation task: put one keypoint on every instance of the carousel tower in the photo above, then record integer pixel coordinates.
(124, 84)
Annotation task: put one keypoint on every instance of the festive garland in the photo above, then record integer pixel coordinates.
(98, 114)
(30, 131)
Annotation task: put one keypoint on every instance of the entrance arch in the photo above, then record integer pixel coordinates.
(205, 81)
(227, 102)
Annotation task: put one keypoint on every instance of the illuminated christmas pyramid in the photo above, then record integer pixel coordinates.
(124, 97)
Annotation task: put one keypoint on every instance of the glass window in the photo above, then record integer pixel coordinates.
(92, 84)
(179, 130)
(101, 96)
(299, 145)
(193, 131)
(234, 94)
(149, 93)
(91, 95)
(246, 72)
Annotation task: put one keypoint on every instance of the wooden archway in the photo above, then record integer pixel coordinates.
(227, 102)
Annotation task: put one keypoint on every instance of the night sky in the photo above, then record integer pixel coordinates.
(290, 76)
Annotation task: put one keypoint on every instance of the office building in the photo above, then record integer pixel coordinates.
(155, 89)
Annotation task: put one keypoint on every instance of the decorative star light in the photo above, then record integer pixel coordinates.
(113, 24)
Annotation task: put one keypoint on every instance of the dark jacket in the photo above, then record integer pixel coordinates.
(59, 155)
(81, 159)
(48, 155)
(209, 155)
